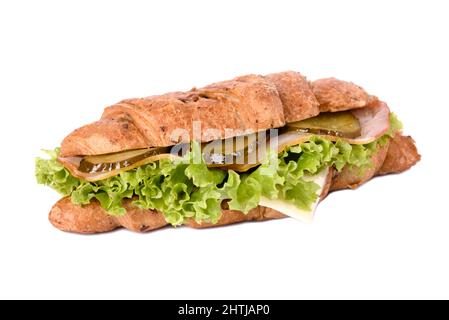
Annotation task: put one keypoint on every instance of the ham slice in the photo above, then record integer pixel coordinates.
(374, 121)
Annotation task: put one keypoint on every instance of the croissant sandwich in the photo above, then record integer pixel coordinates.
(249, 149)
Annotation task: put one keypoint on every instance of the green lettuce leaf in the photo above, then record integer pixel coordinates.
(51, 173)
(188, 189)
(301, 193)
(247, 195)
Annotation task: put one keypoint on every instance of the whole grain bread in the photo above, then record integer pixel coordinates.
(246, 104)
(337, 95)
(297, 97)
(401, 155)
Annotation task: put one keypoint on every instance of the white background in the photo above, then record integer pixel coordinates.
(61, 62)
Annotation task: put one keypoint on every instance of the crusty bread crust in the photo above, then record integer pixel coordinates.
(93, 219)
(246, 104)
(337, 95)
(401, 155)
(297, 97)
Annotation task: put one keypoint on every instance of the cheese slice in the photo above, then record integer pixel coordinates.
(290, 209)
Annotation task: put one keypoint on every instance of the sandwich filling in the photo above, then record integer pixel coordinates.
(198, 183)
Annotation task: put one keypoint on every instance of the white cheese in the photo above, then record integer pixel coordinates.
(290, 209)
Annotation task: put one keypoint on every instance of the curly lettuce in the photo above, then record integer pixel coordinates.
(184, 189)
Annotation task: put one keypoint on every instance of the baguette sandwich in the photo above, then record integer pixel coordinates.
(249, 149)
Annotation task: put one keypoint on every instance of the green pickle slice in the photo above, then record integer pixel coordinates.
(341, 124)
(115, 161)
(229, 151)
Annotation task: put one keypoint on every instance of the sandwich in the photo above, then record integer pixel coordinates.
(252, 148)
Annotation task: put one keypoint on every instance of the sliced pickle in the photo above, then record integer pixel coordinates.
(72, 164)
(255, 151)
(116, 157)
(116, 161)
(341, 124)
(227, 151)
